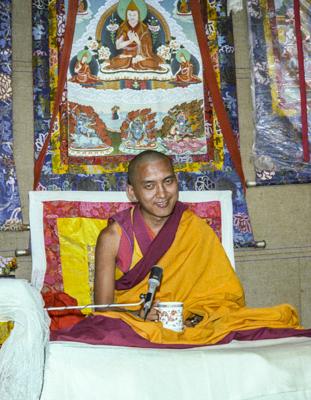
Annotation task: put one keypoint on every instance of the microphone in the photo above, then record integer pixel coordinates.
(153, 281)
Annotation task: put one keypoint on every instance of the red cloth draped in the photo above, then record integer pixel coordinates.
(64, 318)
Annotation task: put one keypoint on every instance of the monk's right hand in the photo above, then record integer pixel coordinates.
(153, 314)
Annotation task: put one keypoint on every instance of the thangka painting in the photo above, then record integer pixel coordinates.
(135, 82)
(10, 209)
(277, 75)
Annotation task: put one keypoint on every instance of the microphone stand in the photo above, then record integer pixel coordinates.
(111, 305)
(154, 282)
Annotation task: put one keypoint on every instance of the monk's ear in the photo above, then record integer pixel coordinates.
(130, 193)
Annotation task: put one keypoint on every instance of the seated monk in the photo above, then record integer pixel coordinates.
(185, 73)
(134, 39)
(82, 69)
(196, 271)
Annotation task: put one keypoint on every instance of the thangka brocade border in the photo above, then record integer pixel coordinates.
(10, 207)
(278, 148)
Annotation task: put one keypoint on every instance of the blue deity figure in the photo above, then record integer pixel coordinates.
(137, 130)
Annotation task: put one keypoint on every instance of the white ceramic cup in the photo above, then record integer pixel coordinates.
(171, 315)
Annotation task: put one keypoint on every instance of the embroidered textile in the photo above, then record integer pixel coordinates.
(10, 209)
(84, 158)
(278, 148)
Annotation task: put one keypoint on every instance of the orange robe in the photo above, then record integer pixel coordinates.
(83, 74)
(197, 272)
(125, 60)
(185, 74)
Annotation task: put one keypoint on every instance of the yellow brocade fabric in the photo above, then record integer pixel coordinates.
(5, 329)
(77, 256)
(197, 272)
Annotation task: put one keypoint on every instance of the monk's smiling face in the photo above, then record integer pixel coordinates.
(155, 188)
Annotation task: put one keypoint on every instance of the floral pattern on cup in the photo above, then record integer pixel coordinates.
(171, 315)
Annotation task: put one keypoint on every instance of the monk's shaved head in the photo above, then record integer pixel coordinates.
(142, 158)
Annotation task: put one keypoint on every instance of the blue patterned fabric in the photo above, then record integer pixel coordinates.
(205, 179)
(278, 151)
(10, 209)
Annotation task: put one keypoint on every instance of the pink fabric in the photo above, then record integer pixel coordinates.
(141, 231)
(125, 253)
